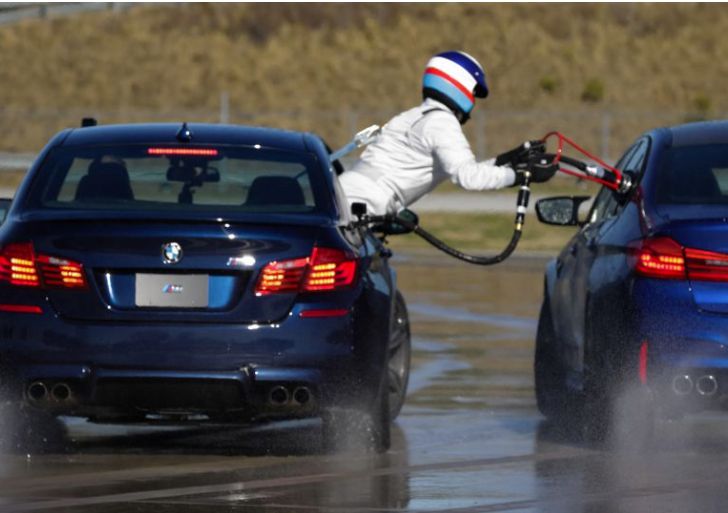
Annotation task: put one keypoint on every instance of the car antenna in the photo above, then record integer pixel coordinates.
(88, 122)
(184, 134)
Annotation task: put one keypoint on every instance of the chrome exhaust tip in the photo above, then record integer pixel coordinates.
(301, 395)
(37, 391)
(707, 385)
(61, 392)
(278, 396)
(682, 384)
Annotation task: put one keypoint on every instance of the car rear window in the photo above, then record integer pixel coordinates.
(694, 175)
(168, 177)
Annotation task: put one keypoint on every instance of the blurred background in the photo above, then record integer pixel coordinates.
(600, 73)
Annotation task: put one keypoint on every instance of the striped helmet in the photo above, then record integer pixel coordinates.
(455, 79)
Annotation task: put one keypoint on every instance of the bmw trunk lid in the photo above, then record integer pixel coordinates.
(157, 272)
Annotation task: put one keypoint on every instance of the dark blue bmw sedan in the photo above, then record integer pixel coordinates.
(207, 272)
(635, 307)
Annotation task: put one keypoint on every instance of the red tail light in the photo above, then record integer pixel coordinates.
(660, 257)
(330, 269)
(20, 265)
(17, 265)
(326, 269)
(280, 277)
(706, 265)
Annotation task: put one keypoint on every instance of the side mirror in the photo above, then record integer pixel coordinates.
(4, 207)
(396, 228)
(560, 210)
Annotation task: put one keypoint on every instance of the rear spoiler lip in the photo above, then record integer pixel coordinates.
(57, 215)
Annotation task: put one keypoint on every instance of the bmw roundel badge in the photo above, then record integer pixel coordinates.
(171, 253)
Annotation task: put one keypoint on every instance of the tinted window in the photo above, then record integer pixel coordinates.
(606, 203)
(4, 207)
(636, 160)
(222, 179)
(694, 175)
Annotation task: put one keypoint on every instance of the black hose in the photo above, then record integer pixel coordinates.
(471, 259)
(522, 205)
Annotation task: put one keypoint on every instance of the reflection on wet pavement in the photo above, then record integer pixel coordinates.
(469, 438)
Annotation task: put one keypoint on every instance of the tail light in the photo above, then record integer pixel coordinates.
(281, 277)
(660, 257)
(327, 269)
(663, 257)
(706, 265)
(20, 265)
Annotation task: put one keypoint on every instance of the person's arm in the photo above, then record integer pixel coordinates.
(442, 132)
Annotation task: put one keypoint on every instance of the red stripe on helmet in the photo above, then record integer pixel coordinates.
(442, 74)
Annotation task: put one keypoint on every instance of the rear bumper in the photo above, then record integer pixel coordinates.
(250, 392)
(688, 347)
(295, 368)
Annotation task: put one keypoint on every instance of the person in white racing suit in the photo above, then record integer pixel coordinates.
(421, 147)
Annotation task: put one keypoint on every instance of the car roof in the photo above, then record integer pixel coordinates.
(704, 132)
(202, 133)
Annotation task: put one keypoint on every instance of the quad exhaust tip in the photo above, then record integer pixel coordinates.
(302, 395)
(707, 385)
(281, 396)
(682, 384)
(278, 396)
(37, 391)
(61, 392)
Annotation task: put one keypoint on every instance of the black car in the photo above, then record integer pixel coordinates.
(198, 272)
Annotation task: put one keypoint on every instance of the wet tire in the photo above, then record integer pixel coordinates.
(398, 356)
(548, 374)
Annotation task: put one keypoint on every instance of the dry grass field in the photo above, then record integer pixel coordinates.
(285, 64)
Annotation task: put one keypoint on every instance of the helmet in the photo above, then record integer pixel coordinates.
(455, 79)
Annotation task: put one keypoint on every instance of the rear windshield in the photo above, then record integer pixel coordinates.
(180, 178)
(694, 175)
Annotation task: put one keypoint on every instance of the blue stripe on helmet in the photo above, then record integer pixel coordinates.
(470, 66)
(446, 88)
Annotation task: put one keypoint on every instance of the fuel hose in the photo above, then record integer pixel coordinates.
(524, 195)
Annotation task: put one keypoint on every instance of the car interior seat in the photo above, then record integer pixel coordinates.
(275, 190)
(105, 180)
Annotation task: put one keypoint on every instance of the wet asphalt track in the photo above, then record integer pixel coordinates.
(468, 440)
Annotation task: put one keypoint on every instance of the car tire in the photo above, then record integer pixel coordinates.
(398, 356)
(347, 429)
(548, 374)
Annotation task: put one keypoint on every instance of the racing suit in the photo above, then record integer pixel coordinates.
(416, 151)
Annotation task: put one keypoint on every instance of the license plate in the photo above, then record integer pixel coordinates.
(171, 290)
